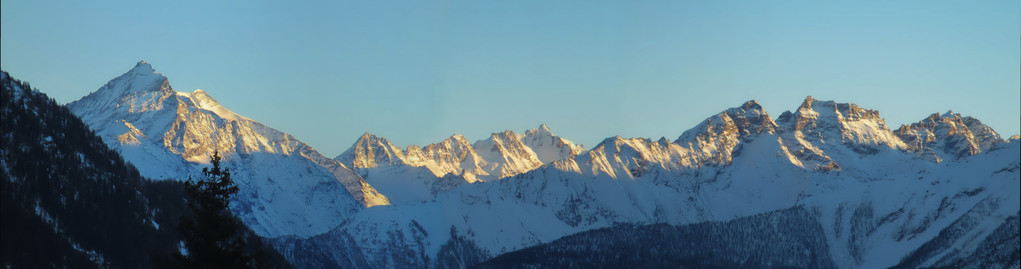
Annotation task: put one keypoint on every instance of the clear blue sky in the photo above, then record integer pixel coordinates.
(418, 71)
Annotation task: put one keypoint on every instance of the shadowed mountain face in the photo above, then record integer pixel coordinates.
(790, 238)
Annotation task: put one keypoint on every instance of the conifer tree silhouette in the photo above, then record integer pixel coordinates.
(213, 237)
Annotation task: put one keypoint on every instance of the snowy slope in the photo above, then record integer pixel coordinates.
(877, 201)
(286, 187)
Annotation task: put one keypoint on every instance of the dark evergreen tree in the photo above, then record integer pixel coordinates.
(212, 235)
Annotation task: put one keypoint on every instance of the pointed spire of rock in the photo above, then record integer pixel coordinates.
(138, 90)
(717, 136)
(948, 136)
(549, 147)
(751, 104)
(543, 130)
(142, 78)
(543, 127)
(807, 104)
(371, 151)
(745, 121)
(143, 67)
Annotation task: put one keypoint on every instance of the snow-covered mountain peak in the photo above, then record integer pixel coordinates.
(948, 136)
(629, 158)
(503, 136)
(371, 151)
(831, 110)
(750, 119)
(743, 121)
(202, 99)
(807, 103)
(716, 137)
(549, 147)
(454, 155)
(455, 140)
(139, 89)
(418, 174)
(984, 135)
(609, 141)
(169, 135)
(506, 154)
(543, 130)
(141, 78)
(620, 147)
(832, 123)
(750, 109)
(143, 67)
(129, 97)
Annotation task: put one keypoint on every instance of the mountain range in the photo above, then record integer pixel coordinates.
(931, 193)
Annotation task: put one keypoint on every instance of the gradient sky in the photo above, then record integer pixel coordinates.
(418, 71)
